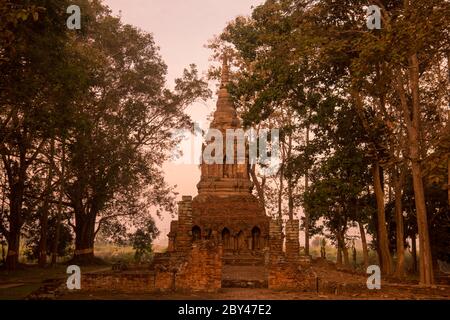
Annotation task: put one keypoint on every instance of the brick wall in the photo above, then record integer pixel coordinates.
(114, 281)
(203, 268)
(183, 238)
(164, 280)
(198, 270)
(292, 241)
(275, 238)
(288, 276)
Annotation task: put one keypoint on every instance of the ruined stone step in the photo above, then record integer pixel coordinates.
(243, 263)
(244, 277)
(236, 283)
(243, 260)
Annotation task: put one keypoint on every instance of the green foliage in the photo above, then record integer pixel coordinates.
(123, 126)
(319, 60)
(15, 14)
(142, 241)
(438, 217)
(64, 243)
(86, 120)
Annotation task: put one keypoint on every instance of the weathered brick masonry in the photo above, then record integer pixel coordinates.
(202, 270)
(199, 270)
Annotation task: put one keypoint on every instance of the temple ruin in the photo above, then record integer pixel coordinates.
(225, 210)
(222, 237)
(227, 215)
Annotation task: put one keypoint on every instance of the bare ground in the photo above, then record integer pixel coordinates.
(351, 286)
(394, 293)
(30, 279)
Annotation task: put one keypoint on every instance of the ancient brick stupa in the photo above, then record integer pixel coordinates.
(225, 209)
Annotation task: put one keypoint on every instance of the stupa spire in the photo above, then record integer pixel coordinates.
(224, 179)
(225, 78)
(225, 115)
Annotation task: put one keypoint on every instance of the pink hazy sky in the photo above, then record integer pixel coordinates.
(182, 28)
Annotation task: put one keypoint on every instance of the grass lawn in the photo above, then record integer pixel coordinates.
(20, 283)
(29, 277)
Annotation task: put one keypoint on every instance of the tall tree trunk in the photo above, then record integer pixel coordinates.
(290, 199)
(448, 179)
(345, 254)
(290, 186)
(426, 264)
(3, 230)
(338, 255)
(57, 236)
(400, 266)
(12, 257)
(306, 220)
(43, 222)
(15, 224)
(344, 249)
(280, 192)
(382, 238)
(17, 175)
(259, 186)
(60, 205)
(306, 190)
(84, 237)
(412, 121)
(43, 217)
(342, 253)
(448, 129)
(414, 252)
(364, 245)
(3, 252)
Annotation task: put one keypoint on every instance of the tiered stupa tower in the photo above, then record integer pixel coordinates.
(225, 208)
(222, 179)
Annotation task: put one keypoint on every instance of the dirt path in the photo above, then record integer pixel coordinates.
(265, 294)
